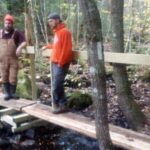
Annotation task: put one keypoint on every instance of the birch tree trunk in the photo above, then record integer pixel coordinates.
(125, 98)
(97, 71)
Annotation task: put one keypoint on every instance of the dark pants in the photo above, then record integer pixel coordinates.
(58, 77)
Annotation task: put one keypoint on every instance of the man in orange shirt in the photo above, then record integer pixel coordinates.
(61, 57)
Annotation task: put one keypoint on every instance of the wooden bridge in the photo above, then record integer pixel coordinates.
(121, 137)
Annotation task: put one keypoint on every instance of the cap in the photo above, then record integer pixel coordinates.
(54, 16)
(9, 17)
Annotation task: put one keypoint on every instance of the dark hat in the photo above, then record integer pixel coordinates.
(54, 16)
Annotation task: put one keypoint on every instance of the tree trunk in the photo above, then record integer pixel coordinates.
(97, 71)
(125, 98)
(32, 6)
(28, 26)
(131, 10)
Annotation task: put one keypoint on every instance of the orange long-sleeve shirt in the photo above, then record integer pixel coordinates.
(62, 46)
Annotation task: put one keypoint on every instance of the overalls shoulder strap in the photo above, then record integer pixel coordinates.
(12, 37)
(1, 34)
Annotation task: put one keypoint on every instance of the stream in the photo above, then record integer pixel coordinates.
(46, 138)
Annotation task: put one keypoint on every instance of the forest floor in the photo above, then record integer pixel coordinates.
(78, 80)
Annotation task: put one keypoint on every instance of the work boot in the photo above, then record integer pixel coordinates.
(7, 91)
(60, 109)
(55, 107)
(13, 91)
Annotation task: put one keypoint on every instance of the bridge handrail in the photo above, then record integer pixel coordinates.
(110, 57)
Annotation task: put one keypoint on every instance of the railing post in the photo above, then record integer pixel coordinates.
(33, 79)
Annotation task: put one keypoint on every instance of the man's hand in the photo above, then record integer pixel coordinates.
(19, 49)
(18, 52)
(43, 48)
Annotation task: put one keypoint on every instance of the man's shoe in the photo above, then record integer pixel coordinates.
(15, 96)
(47, 102)
(60, 109)
(7, 91)
(7, 97)
(13, 91)
(55, 107)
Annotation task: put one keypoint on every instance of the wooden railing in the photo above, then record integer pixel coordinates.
(110, 57)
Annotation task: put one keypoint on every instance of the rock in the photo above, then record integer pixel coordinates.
(4, 143)
(46, 79)
(80, 71)
(74, 81)
(79, 101)
(146, 76)
(30, 133)
(15, 139)
(24, 88)
(27, 143)
(109, 72)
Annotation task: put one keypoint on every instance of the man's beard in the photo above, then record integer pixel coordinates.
(8, 29)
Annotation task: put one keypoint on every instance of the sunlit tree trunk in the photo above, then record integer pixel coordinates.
(78, 24)
(125, 98)
(45, 20)
(128, 46)
(28, 25)
(97, 71)
(42, 19)
(32, 8)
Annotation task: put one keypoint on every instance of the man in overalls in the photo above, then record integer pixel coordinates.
(11, 44)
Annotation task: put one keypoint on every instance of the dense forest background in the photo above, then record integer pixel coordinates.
(136, 20)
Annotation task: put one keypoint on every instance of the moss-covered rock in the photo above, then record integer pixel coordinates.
(79, 101)
(24, 89)
(109, 71)
(146, 76)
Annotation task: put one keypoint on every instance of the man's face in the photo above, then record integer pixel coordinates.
(8, 25)
(53, 23)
